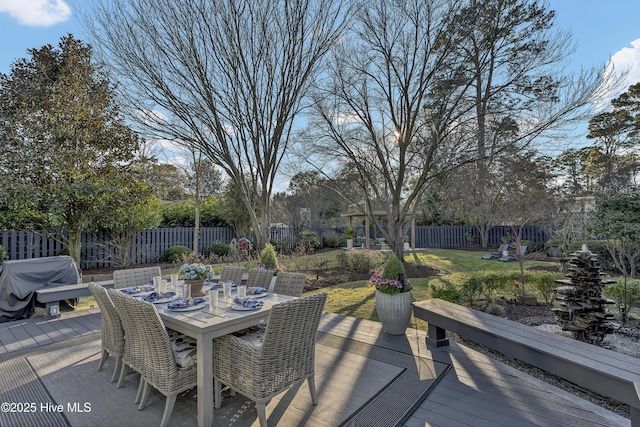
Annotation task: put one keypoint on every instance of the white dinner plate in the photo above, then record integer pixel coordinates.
(163, 300)
(239, 307)
(262, 295)
(141, 294)
(190, 308)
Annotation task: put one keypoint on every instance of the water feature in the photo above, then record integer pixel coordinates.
(579, 305)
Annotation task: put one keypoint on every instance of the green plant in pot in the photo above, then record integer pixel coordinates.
(393, 296)
(349, 234)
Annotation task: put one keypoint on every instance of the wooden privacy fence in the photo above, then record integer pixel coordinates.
(99, 249)
(465, 236)
(151, 246)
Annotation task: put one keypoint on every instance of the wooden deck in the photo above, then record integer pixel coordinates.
(476, 391)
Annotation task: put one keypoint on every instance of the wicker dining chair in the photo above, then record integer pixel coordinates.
(133, 356)
(232, 273)
(259, 277)
(286, 355)
(112, 331)
(289, 284)
(134, 276)
(161, 369)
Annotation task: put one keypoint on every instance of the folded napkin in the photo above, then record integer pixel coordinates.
(249, 302)
(155, 296)
(183, 303)
(256, 290)
(130, 291)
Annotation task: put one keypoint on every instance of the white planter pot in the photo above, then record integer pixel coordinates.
(394, 311)
(349, 243)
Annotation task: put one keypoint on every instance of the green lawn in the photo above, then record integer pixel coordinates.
(357, 299)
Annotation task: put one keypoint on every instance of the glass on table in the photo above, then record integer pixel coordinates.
(174, 282)
(186, 292)
(226, 288)
(213, 299)
(242, 291)
(156, 282)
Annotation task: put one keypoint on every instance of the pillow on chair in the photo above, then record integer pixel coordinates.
(184, 349)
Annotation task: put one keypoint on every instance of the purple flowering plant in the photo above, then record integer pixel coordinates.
(276, 269)
(390, 286)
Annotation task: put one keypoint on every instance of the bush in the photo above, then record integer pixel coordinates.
(615, 291)
(446, 290)
(494, 283)
(3, 254)
(471, 290)
(219, 249)
(545, 283)
(268, 256)
(309, 240)
(177, 253)
(331, 240)
(392, 268)
(361, 261)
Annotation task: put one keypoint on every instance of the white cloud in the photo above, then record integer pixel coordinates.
(36, 13)
(626, 60)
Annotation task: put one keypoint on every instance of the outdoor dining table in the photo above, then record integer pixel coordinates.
(204, 325)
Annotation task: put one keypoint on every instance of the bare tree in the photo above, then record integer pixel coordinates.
(226, 78)
(370, 110)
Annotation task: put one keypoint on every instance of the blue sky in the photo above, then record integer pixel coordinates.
(605, 30)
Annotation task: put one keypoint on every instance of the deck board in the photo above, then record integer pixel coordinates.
(477, 391)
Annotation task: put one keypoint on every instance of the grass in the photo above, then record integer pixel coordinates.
(357, 299)
(455, 261)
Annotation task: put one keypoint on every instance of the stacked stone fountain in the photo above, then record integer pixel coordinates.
(580, 307)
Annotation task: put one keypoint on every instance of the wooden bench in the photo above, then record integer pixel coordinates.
(52, 295)
(602, 371)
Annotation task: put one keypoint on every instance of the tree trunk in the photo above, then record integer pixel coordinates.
(75, 245)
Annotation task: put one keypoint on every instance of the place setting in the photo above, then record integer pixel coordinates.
(245, 302)
(138, 291)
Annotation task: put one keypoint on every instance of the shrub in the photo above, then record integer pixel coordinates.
(494, 283)
(331, 240)
(219, 249)
(177, 253)
(615, 291)
(445, 289)
(361, 261)
(268, 257)
(392, 267)
(309, 240)
(472, 289)
(3, 254)
(278, 246)
(545, 283)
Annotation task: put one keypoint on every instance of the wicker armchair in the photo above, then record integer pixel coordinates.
(133, 356)
(289, 284)
(134, 276)
(112, 331)
(161, 371)
(285, 357)
(231, 273)
(259, 277)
